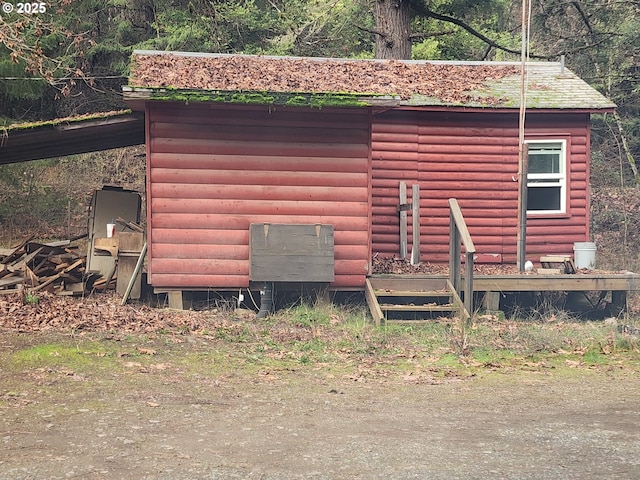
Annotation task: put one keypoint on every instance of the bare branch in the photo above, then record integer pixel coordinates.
(422, 9)
(364, 29)
(20, 36)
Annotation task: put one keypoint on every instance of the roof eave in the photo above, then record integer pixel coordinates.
(136, 96)
(70, 136)
(503, 109)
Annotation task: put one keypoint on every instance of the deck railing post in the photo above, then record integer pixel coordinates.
(454, 253)
(468, 283)
(402, 207)
(460, 234)
(415, 211)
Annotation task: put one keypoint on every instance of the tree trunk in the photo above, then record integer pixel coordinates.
(393, 29)
(627, 150)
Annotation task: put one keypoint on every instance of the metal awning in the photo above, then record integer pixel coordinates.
(70, 136)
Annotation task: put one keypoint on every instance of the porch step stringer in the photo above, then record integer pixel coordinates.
(412, 304)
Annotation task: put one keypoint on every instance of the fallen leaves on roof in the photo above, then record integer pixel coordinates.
(452, 83)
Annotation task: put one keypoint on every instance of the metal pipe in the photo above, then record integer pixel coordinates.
(266, 300)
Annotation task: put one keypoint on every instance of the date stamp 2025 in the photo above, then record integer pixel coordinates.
(24, 8)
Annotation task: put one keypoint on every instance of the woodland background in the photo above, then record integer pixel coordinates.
(74, 58)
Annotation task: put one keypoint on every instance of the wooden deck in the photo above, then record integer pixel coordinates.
(626, 282)
(491, 287)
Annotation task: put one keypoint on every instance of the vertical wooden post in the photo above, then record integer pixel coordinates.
(176, 299)
(454, 253)
(618, 302)
(522, 206)
(403, 220)
(491, 302)
(468, 283)
(458, 233)
(415, 212)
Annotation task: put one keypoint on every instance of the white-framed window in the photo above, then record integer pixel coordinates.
(547, 177)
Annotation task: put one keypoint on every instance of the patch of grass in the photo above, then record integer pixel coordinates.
(448, 360)
(81, 356)
(340, 341)
(626, 343)
(343, 339)
(31, 298)
(306, 315)
(236, 333)
(492, 356)
(312, 351)
(595, 357)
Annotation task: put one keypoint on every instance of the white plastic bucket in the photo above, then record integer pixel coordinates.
(584, 254)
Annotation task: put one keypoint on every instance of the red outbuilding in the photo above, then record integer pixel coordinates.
(239, 147)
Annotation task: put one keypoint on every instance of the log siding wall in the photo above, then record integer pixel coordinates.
(474, 158)
(213, 170)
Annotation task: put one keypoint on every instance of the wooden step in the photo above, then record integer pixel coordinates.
(418, 308)
(401, 322)
(413, 293)
(399, 305)
(415, 313)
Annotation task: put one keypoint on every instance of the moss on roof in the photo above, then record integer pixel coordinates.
(297, 99)
(65, 120)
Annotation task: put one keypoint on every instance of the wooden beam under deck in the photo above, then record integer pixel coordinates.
(566, 283)
(517, 283)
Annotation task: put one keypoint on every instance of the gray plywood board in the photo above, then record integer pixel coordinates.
(291, 253)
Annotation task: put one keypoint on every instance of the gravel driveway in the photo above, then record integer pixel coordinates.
(159, 420)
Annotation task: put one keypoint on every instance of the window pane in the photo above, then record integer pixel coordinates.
(543, 198)
(544, 161)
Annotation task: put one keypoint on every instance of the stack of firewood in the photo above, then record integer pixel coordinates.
(57, 267)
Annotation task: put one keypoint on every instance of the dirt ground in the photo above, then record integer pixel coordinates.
(160, 415)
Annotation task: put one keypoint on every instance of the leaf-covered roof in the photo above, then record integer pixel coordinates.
(162, 75)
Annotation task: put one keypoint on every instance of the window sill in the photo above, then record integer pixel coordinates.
(534, 216)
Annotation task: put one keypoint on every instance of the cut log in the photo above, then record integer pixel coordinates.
(36, 266)
(50, 280)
